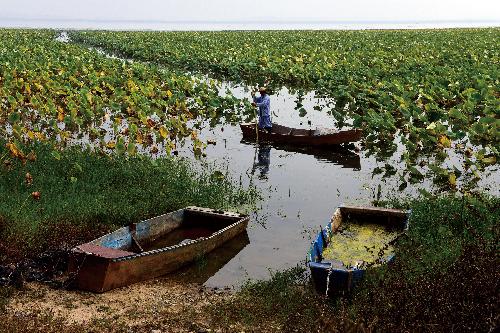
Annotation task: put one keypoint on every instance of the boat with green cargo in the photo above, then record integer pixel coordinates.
(356, 238)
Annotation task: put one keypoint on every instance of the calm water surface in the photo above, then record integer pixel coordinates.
(300, 189)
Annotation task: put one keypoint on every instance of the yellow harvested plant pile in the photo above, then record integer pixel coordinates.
(360, 244)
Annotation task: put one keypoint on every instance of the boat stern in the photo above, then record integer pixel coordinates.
(89, 265)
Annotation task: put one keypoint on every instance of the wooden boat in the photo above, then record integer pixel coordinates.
(332, 277)
(305, 137)
(152, 248)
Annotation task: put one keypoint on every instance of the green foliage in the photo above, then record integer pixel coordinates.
(441, 227)
(285, 302)
(54, 91)
(437, 91)
(88, 190)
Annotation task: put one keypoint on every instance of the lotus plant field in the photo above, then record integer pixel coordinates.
(435, 93)
(57, 92)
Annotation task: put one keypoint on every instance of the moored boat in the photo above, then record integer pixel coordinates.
(152, 248)
(332, 276)
(304, 137)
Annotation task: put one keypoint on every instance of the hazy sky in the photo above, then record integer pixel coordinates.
(256, 10)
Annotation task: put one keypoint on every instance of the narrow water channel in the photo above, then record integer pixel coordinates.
(301, 189)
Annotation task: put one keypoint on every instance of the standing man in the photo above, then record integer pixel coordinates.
(264, 104)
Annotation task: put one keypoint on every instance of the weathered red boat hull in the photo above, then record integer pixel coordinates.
(100, 270)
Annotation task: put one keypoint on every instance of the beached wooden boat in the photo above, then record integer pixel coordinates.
(333, 277)
(304, 137)
(152, 248)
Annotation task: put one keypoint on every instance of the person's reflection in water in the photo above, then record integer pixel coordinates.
(263, 161)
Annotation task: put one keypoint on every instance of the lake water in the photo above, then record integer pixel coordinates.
(301, 190)
(211, 25)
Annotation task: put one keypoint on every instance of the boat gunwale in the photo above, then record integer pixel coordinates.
(242, 219)
(354, 130)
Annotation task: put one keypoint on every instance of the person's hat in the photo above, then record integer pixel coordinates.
(262, 89)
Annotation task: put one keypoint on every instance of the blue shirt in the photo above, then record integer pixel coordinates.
(264, 104)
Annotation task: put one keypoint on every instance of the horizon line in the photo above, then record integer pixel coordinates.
(245, 21)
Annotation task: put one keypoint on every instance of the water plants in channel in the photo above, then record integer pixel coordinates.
(434, 91)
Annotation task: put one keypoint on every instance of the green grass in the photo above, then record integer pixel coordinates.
(441, 227)
(444, 278)
(83, 194)
(285, 301)
(445, 273)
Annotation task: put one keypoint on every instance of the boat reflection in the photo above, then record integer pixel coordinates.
(206, 267)
(339, 155)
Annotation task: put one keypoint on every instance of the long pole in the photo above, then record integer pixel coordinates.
(256, 118)
(256, 126)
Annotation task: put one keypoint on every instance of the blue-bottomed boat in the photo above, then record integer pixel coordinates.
(333, 278)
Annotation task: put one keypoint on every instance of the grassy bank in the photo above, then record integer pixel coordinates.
(445, 278)
(83, 194)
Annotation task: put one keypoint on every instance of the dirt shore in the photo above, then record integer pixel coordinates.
(161, 305)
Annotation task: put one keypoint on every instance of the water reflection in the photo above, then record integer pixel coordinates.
(340, 155)
(263, 154)
(206, 267)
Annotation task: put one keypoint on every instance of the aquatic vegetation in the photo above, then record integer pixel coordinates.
(57, 92)
(434, 91)
(360, 244)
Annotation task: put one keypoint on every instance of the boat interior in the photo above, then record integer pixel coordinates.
(283, 130)
(167, 230)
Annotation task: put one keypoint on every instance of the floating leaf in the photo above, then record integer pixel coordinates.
(14, 117)
(217, 175)
(444, 141)
(302, 112)
(60, 114)
(163, 132)
(111, 144)
(489, 160)
(452, 179)
(15, 151)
